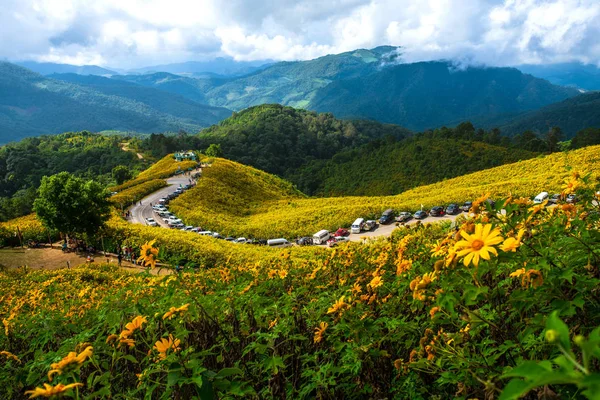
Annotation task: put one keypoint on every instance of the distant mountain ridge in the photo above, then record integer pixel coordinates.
(578, 75)
(219, 66)
(571, 115)
(53, 68)
(32, 105)
(376, 84)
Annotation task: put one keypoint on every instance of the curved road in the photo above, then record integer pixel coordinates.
(143, 209)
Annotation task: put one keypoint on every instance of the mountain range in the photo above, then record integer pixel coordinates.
(373, 84)
(32, 104)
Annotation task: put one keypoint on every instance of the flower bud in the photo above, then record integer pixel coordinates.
(579, 340)
(552, 335)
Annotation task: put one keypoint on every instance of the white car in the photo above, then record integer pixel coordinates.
(205, 233)
(189, 228)
(151, 222)
(241, 240)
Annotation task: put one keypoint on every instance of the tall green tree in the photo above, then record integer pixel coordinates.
(214, 150)
(72, 205)
(121, 173)
(553, 137)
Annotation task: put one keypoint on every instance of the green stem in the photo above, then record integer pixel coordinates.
(572, 360)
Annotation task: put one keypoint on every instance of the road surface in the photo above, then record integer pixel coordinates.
(143, 209)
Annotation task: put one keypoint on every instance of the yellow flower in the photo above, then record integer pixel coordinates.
(173, 310)
(571, 186)
(320, 331)
(127, 341)
(166, 344)
(337, 306)
(71, 360)
(149, 254)
(49, 390)
(376, 282)
(434, 311)
(10, 355)
(273, 323)
(511, 243)
(529, 278)
(132, 326)
(111, 338)
(478, 245)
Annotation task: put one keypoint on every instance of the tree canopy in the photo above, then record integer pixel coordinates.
(72, 205)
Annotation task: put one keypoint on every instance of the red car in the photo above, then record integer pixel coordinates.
(341, 232)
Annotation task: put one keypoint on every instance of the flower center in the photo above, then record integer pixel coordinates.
(477, 244)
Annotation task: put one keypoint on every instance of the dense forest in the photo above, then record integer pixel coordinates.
(278, 139)
(23, 164)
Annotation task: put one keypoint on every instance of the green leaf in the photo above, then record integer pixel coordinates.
(515, 389)
(225, 372)
(273, 364)
(555, 323)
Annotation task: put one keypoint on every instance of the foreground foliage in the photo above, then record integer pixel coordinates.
(429, 312)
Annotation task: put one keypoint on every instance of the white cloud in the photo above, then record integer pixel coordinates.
(131, 33)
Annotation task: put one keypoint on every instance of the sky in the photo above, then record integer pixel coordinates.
(136, 33)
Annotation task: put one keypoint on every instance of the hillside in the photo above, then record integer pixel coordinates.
(219, 66)
(190, 88)
(582, 76)
(279, 139)
(294, 217)
(374, 84)
(383, 168)
(430, 94)
(571, 115)
(31, 105)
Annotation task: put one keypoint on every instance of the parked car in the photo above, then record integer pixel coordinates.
(358, 225)
(554, 199)
(321, 237)
(341, 232)
(572, 198)
(342, 239)
(540, 198)
(370, 225)
(189, 228)
(151, 222)
(404, 216)
(453, 209)
(241, 240)
(229, 239)
(304, 241)
(217, 235)
(195, 230)
(387, 216)
(281, 242)
(437, 211)
(420, 214)
(466, 206)
(206, 233)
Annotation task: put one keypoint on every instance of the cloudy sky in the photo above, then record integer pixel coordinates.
(133, 33)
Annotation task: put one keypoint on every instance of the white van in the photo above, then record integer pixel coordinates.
(281, 242)
(540, 198)
(321, 237)
(358, 225)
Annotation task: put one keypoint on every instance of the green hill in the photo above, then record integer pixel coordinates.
(571, 115)
(31, 104)
(280, 139)
(383, 168)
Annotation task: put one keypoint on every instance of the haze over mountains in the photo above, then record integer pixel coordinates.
(362, 84)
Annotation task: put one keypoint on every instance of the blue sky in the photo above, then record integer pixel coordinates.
(134, 33)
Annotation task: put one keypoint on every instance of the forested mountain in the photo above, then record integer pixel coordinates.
(53, 68)
(219, 66)
(31, 104)
(430, 94)
(583, 76)
(374, 84)
(191, 88)
(278, 139)
(571, 115)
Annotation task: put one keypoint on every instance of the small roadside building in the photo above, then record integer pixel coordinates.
(185, 156)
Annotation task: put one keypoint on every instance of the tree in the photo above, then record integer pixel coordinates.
(121, 173)
(214, 150)
(72, 205)
(554, 136)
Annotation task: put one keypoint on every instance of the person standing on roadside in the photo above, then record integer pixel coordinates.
(120, 258)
